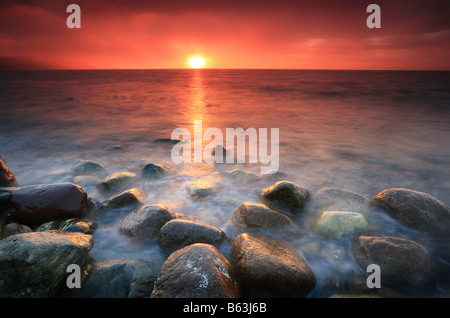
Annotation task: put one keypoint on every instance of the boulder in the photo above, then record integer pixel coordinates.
(120, 278)
(261, 219)
(153, 171)
(196, 271)
(38, 204)
(34, 264)
(286, 196)
(403, 263)
(267, 267)
(145, 223)
(335, 199)
(91, 168)
(116, 181)
(341, 224)
(415, 209)
(131, 199)
(7, 179)
(177, 234)
(84, 226)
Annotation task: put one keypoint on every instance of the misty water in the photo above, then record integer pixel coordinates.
(362, 131)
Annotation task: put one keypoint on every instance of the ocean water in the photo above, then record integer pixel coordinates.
(362, 131)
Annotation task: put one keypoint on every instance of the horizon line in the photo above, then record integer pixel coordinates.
(205, 68)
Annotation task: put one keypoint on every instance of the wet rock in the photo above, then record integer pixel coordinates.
(91, 168)
(34, 264)
(240, 176)
(267, 267)
(286, 196)
(177, 234)
(341, 224)
(415, 209)
(153, 171)
(261, 219)
(116, 181)
(38, 204)
(84, 226)
(200, 189)
(403, 263)
(145, 223)
(13, 228)
(335, 199)
(7, 179)
(132, 199)
(196, 271)
(121, 278)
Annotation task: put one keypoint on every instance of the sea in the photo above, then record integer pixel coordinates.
(361, 131)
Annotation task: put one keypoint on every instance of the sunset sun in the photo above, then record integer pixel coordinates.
(196, 62)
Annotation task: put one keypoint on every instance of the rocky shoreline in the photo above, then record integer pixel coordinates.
(47, 227)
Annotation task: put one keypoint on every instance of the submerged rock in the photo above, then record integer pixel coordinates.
(7, 179)
(84, 226)
(177, 234)
(91, 168)
(200, 189)
(145, 223)
(286, 195)
(403, 263)
(261, 219)
(341, 224)
(120, 278)
(34, 264)
(335, 199)
(86, 181)
(153, 171)
(42, 203)
(415, 209)
(132, 199)
(240, 176)
(267, 267)
(196, 271)
(116, 181)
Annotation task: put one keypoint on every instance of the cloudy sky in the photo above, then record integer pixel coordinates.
(301, 34)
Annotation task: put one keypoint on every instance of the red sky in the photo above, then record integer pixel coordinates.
(301, 34)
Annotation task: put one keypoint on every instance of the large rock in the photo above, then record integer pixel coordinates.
(416, 209)
(268, 267)
(196, 271)
(403, 263)
(145, 223)
(286, 196)
(120, 278)
(335, 199)
(42, 203)
(177, 234)
(7, 179)
(34, 264)
(259, 218)
(341, 224)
